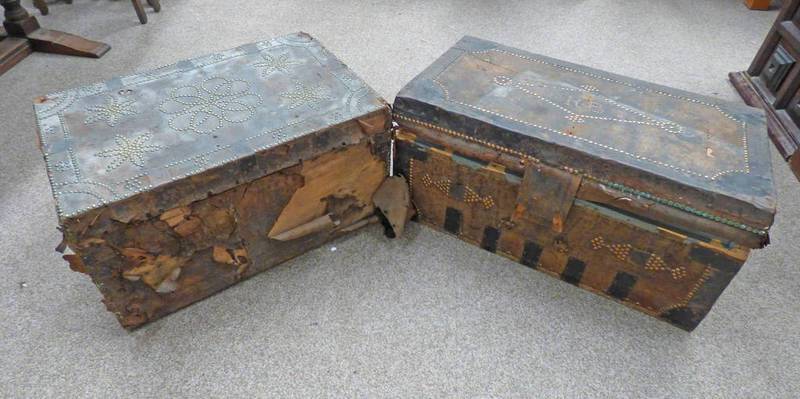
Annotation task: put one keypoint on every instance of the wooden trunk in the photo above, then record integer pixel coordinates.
(773, 83)
(644, 194)
(174, 184)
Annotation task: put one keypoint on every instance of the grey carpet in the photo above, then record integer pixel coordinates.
(422, 316)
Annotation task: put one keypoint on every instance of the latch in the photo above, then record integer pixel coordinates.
(546, 195)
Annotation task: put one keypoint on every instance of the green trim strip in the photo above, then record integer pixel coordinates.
(674, 204)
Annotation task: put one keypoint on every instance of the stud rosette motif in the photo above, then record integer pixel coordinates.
(206, 107)
(303, 95)
(281, 63)
(111, 112)
(129, 150)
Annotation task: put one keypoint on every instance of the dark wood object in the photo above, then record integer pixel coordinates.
(647, 195)
(757, 4)
(42, 6)
(12, 51)
(140, 12)
(137, 6)
(173, 184)
(25, 36)
(772, 82)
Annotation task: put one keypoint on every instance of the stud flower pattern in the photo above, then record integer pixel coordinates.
(303, 95)
(111, 112)
(129, 151)
(206, 107)
(271, 63)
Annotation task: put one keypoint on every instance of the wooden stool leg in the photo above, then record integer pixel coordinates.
(156, 4)
(25, 35)
(42, 6)
(137, 5)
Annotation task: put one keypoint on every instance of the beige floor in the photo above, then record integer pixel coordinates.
(422, 316)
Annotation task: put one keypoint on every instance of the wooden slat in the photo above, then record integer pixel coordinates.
(790, 126)
(789, 32)
(12, 51)
(777, 131)
(788, 88)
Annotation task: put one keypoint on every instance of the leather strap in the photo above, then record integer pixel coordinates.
(546, 195)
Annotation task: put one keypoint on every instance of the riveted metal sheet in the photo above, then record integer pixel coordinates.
(109, 141)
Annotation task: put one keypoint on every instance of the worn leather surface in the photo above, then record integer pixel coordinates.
(695, 150)
(111, 140)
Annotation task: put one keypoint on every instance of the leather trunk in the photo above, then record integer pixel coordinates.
(641, 193)
(173, 184)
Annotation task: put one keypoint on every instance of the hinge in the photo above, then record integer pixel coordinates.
(394, 129)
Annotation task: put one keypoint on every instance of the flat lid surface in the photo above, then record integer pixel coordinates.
(111, 140)
(699, 141)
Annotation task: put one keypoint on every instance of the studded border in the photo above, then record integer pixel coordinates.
(745, 155)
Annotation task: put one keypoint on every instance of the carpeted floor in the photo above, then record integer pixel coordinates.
(422, 316)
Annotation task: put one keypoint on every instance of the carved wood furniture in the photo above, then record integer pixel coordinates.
(42, 6)
(140, 12)
(772, 82)
(24, 35)
(137, 6)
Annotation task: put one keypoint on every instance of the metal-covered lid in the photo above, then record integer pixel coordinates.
(109, 141)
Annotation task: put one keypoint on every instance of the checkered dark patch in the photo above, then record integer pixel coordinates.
(573, 272)
(490, 237)
(622, 285)
(530, 254)
(452, 220)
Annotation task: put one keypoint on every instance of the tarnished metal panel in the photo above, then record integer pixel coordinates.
(704, 156)
(113, 140)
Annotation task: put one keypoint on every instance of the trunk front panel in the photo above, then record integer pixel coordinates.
(648, 267)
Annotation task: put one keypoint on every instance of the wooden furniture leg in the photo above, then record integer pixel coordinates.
(25, 35)
(42, 6)
(137, 5)
(156, 4)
